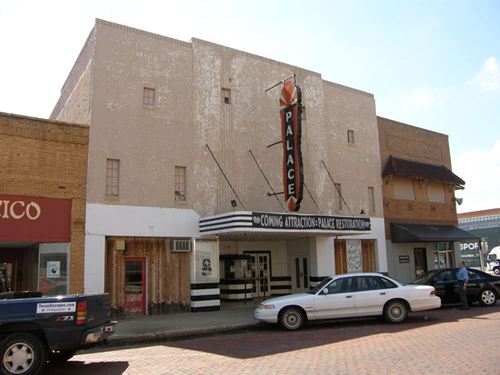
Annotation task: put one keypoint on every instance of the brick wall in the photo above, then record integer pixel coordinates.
(48, 159)
(410, 142)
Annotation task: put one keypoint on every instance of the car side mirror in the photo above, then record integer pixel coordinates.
(325, 291)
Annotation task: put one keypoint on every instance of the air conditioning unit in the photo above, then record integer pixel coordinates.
(180, 245)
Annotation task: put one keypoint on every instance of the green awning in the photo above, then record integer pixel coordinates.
(428, 233)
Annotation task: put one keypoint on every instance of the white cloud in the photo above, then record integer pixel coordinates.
(489, 76)
(481, 171)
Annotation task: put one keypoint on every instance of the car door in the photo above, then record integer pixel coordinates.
(445, 283)
(335, 300)
(474, 284)
(369, 296)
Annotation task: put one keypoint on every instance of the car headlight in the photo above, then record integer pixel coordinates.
(265, 307)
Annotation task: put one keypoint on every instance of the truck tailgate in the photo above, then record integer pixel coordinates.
(98, 309)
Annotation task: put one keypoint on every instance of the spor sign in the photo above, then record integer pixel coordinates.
(291, 123)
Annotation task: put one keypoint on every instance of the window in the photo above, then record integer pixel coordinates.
(371, 199)
(473, 274)
(180, 184)
(441, 246)
(350, 137)
(367, 283)
(226, 96)
(338, 197)
(446, 276)
(386, 283)
(112, 177)
(342, 285)
(435, 192)
(148, 97)
(403, 189)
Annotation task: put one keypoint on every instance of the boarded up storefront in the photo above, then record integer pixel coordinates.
(144, 276)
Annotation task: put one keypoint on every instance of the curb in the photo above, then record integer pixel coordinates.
(120, 340)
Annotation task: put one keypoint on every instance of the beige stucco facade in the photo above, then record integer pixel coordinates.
(105, 90)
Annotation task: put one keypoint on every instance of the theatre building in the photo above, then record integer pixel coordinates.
(204, 187)
(419, 200)
(43, 167)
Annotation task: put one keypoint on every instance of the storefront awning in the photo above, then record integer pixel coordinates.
(411, 168)
(284, 223)
(428, 233)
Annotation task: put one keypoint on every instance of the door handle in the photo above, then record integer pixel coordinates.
(348, 296)
(382, 294)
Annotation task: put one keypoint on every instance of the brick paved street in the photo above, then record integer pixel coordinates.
(450, 341)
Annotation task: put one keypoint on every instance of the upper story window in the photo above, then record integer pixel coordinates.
(338, 197)
(371, 199)
(404, 189)
(112, 177)
(226, 96)
(350, 137)
(149, 96)
(180, 184)
(435, 192)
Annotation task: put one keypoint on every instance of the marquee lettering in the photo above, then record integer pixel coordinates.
(309, 222)
(19, 209)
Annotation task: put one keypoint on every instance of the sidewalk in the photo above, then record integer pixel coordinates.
(231, 317)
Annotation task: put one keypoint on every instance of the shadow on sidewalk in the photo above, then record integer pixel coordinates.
(84, 368)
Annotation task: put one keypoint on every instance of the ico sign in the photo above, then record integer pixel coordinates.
(291, 122)
(34, 219)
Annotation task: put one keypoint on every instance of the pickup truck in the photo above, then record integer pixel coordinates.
(35, 330)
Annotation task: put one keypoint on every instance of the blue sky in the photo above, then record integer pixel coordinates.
(432, 64)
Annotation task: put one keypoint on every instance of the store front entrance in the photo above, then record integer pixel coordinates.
(260, 267)
(21, 264)
(12, 263)
(300, 273)
(135, 286)
(420, 261)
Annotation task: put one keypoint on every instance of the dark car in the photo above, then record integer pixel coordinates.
(482, 287)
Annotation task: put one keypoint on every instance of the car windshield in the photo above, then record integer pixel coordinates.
(424, 278)
(320, 286)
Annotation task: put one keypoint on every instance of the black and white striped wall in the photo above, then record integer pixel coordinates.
(205, 297)
(236, 290)
(281, 285)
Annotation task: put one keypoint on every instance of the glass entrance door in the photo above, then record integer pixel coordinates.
(135, 286)
(301, 271)
(261, 272)
(420, 261)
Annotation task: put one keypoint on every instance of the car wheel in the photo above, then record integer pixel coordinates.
(395, 311)
(496, 270)
(291, 318)
(22, 354)
(487, 297)
(61, 356)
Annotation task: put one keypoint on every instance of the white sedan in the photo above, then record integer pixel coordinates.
(347, 296)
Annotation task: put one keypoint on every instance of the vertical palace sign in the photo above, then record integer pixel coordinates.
(291, 122)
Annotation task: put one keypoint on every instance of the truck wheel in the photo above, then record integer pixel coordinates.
(61, 356)
(22, 354)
